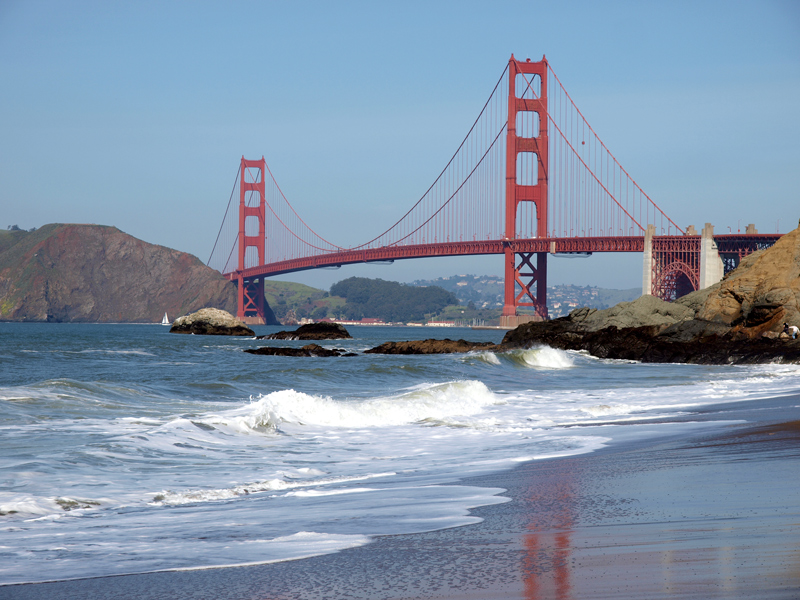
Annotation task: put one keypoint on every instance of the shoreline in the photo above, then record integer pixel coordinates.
(711, 514)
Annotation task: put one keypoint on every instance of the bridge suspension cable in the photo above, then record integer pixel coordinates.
(416, 225)
(221, 234)
(589, 193)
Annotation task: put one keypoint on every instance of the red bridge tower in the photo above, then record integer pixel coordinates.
(251, 291)
(526, 151)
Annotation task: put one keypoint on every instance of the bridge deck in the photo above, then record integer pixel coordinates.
(386, 253)
(552, 245)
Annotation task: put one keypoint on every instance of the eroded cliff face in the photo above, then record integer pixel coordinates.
(762, 293)
(94, 273)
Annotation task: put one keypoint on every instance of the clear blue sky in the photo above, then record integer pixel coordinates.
(136, 114)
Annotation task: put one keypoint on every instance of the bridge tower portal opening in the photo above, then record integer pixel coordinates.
(525, 282)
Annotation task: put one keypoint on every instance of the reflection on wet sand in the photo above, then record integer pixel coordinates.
(547, 560)
(714, 517)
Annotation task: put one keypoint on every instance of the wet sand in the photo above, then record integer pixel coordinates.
(712, 514)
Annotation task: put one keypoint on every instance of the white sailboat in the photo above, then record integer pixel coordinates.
(165, 320)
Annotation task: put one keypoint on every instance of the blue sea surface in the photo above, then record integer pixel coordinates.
(127, 449)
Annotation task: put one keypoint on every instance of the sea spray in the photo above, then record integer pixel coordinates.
(425, 401)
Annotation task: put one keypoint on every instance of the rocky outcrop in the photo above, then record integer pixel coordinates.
(311, 331)
(738, 320)
(211, 321)
(430, 346)
(762, 293)
(690, 341)
(94, 273)
(307, 350)
(646, 311)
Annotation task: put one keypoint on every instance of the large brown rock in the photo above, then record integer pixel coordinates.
(211, 321)
(762, 293)
(645, 311)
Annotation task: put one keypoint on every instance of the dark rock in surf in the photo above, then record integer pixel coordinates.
(211, 321)
(311, 331)
(430, 346)
(686, 342)
(307, 350)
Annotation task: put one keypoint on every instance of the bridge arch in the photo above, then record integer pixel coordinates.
(675, 280)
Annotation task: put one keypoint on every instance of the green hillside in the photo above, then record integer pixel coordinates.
(357, 298)
(391, 301)
(295, 300)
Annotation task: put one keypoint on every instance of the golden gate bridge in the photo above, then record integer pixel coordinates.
(530, 178)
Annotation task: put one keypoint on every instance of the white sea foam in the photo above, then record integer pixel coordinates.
(538, 357)
(303, 544)
(601, 410)
(542, 357)
(488, 357)
(432, 401)
(337, 492)
(167, 497)
(545, 357)
(26, 505)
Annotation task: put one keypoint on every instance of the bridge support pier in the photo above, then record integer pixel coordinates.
(524, 276)
(647, 266)
(252, 303)
(711, 266)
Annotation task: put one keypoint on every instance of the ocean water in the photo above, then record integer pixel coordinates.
(126, 449)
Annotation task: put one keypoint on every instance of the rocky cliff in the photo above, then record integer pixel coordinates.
(737, 320)
(761, 294)
(94, 273)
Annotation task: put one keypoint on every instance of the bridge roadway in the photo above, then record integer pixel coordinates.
(740, 244)
(347, 257)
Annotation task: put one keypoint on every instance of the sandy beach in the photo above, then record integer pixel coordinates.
(715, 514)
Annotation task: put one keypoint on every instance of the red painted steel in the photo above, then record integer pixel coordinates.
(524, 275)
(366, 255)
(251, 292)
(676, 266)
(553, 187)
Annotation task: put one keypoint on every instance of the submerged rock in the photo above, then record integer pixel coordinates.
(211, 321)
(307, 350)
(430, 346)
(311, 331)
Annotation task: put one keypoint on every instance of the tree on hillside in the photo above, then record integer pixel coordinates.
(390, 300)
